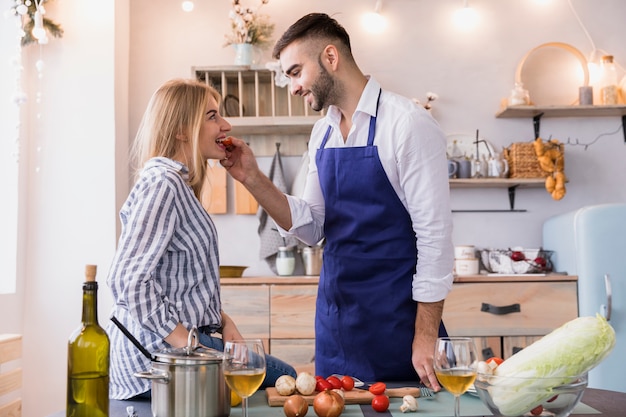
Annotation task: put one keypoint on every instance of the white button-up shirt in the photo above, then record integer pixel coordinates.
(412, 150)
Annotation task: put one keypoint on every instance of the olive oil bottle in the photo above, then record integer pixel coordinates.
(88, 359)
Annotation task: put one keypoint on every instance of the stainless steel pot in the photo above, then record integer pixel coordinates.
(188, 382)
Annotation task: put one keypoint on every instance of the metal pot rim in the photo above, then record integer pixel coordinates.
(183, 356)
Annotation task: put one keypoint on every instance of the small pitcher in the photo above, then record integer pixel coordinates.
(498, 167)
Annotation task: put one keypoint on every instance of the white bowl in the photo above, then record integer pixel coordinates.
(517, 397)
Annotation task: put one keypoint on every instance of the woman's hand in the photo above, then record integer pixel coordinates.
(229, 329)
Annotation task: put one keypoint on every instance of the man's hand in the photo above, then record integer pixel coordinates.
(427, 322)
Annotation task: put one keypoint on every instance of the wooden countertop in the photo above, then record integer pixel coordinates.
(313, 280)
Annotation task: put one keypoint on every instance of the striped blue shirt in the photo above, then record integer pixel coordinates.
(165, 270)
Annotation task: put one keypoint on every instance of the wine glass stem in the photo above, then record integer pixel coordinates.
(457, 406)
(244, 406)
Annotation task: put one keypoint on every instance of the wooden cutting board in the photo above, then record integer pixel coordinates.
(214, 192)
(356, 396)
(244, 202)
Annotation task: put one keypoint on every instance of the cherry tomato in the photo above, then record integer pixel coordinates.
(517, 256)
(537, 410)
(380, 403)
(334, 381)
(322, 385)
(318, 377)
(347, 383)
(227, 142)
(378, 388)
(495, 359)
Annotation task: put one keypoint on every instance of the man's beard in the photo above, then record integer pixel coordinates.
(323, 90)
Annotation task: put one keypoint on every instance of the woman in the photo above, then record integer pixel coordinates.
(165, 274)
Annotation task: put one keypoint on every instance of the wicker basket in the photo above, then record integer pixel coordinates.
(523, 161)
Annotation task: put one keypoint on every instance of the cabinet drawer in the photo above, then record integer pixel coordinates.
(249, 307)
(296, 352)
(292, 315)
(543, 306)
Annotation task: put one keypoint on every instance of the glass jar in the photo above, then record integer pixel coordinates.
(519, 95)
(608, 81)
(285, 261)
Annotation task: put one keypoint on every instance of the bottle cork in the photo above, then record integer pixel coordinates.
(90, 272)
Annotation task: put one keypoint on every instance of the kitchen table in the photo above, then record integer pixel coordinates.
(595, 403)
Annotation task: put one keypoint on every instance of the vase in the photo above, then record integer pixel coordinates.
(243, 53)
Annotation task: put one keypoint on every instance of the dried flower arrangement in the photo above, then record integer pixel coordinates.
(248, 26)
(430, 97)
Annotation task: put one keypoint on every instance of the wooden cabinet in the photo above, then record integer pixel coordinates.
(508, 313)
(502, 313)
(281, 311)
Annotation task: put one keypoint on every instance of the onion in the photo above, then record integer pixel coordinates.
(305, 383)
(285, 385)
(328, 404)
(295, 406)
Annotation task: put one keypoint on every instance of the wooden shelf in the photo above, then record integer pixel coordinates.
(511, 184)
(497, 182)
(562, 111)
(267, 125)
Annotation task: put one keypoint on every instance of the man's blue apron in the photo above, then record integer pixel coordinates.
(365, 315)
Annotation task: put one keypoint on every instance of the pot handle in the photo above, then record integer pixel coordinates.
(193, 340)
(155, 375)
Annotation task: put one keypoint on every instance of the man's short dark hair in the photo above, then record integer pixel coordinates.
(313, 25)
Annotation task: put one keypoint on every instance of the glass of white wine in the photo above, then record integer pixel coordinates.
(244, 368)
(455, 363)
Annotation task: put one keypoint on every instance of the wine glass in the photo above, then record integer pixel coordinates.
(455, 366)
(244, 368)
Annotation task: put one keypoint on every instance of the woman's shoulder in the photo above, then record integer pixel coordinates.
(166, 169)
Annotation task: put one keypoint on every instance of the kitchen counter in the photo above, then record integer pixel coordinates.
(314, 279)
(608, 403)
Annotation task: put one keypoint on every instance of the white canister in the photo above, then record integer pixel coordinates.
(285, 261)
(464, 252)
(466, 266)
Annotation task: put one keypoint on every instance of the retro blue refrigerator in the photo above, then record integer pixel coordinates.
(591, 243)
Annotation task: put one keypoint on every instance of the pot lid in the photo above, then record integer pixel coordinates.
(192, 354)
(185, 356)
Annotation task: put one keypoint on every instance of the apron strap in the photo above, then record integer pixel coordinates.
(372, 128)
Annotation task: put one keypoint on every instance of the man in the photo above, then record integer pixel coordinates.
(377, 189)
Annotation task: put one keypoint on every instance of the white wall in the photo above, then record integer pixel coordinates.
(421, 51)
(68, 188)
(96, 87)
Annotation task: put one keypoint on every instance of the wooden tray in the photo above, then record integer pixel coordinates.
(355, 396)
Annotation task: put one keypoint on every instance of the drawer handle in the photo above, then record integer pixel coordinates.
(489, 308)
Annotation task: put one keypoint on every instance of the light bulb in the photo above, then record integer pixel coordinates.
(466, 18)
(374, 22)
(38, 31)
(187, 5)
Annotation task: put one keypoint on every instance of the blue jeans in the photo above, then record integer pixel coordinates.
(275, 367)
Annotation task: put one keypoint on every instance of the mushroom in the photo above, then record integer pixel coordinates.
(285, 385)
(409, 403)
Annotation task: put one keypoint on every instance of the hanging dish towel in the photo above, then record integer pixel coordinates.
(271, 240)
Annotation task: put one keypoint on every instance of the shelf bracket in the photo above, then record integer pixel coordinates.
(537, 124)
(512, 196)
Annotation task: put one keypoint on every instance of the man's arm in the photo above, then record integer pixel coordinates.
(242, 166)
(427, 322)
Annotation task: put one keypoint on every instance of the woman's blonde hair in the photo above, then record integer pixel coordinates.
(176, 108)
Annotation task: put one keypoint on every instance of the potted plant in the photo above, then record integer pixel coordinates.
(248, 29)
